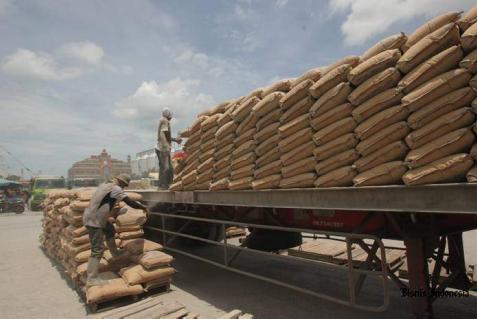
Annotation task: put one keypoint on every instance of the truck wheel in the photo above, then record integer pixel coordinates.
(272, 240)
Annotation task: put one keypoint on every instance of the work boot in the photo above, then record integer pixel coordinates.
(93, 278)
(113, 249)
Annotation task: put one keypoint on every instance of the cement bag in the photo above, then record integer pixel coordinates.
(244, 137)
(243, 160)
(227, 116)
(302, 166)
(202, 187)
(205, 166)
(80, 240)
(443, 105)
(248, 123)
(385, 174)
(247, 147)
(83, 256)
(438, 64)
(222, 184)
(153, 259)
(207, 146)
(446, 123)
(114, 289)
(428, 46)
(189, 178)
(341, 144)
(268, 104)
(190, 167)
(140, 245)
(223, 152)
(376, 84)
(280, 86)
(469, 62)
(395, 41)
(266, 133)
(455, 142)
(131, 234)
(431, 26)
(223, 173)
(242, 172)
(206, 155)
(192, 157)
(377, 104)
(334, 97)
(448, 169)
(209, 123)
(472, 175)
(269, 182)
(300, 152)
(335, 114)
(272, 117)
(298, 109)
(258, 92)
(226, 130)
(310, 75)
(103, 266)
(267, 145)
(76, 232)
(330, 80)
(295, 139)
(79, 206)
(373, 66)
(337, 178)
(268, 157)
(86, 194)
(380, 121)
(244, 109)
(468, 40)
(294, 126)
(297, 93)
(121, 229)
(388, 135)
(136, 274)
(468, 19)
(205, 176)
(240, 184)
(351, 60)
(391, 152)
(268, 169)
(333, 131)
(208, 135)
(473, 151)
(345, 158)
(73, 250)
(299, 181)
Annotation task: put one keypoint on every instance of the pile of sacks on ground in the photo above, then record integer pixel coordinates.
(65, 239)
(403, 112)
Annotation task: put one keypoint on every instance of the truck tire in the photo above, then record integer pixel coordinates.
(272, 240)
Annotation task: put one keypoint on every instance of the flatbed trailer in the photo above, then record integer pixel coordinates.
(426, 218)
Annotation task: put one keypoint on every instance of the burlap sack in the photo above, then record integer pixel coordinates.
(206, 147)
(267, 145)
(443, 105)
(245, 171)
(380, 121)
(79, 205)
(83, 256)
(248, 123)
(446, 123)
(388, 135)
(330, 80)
(302, 166)
(189, 178)
(268, 169)
(391, 152)
(140, 245)
(222, 184)
(206, 155)
(243, 160)
(220, 108)
(385, 174)
(293, 126)
(351, 60)
(468, 40)
(297, 93)
(333, 131)
(192, 147)
(227, 116)
(75, 232)
(429, 27)
(335, 114)
(244, 137)
(121, 229)
(310, 75)
(226, 130)
(339, 177)
(376, 84)
(268, 157)
(223, 173)
(469, 62)
(208, 135)
(205, 176)
(468, 19)
(442, 62)
(266, 133)
(448, 169)
(299, 181)
(473, 152)
(430, 45)
(374, 65)
(376, 104)
(272, 117)
(195, 128)
(302, 151)
(136, 274)
(258, 92)
(80, 240)
(209, 123)
(268, 104)
(345, 158)
(220, 153)
(245, 148)
(244, 109)
(131, 217)
(395, 41)
(190, 167)
(205, 166)
(334, 97)
(153, 259)
(241, 183)
(115, 288)
(192, 157)
(339, 145)
(202, 186)
(457, 141)
(280, 86)
(269, 182)
(131, 234)
(86, 194)
(295, 139)
(298, 109)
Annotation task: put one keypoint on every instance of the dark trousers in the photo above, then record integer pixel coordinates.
(166, 173)
(96, 238)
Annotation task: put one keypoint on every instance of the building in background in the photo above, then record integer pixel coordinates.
(101, 167)
(145, 163)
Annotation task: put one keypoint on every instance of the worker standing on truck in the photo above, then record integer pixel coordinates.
(163, 149)
(98, 219)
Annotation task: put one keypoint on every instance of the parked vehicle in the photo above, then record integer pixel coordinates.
(40, 186)
(11, 197)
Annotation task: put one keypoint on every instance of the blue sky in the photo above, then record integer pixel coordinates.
(79, 76)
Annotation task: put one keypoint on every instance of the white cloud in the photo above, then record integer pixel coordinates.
(86, 52)
(281, 3)
(367, 18)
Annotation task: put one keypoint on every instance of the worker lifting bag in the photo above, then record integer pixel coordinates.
(385, 174)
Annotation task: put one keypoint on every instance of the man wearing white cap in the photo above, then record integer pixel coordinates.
(163, 149)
